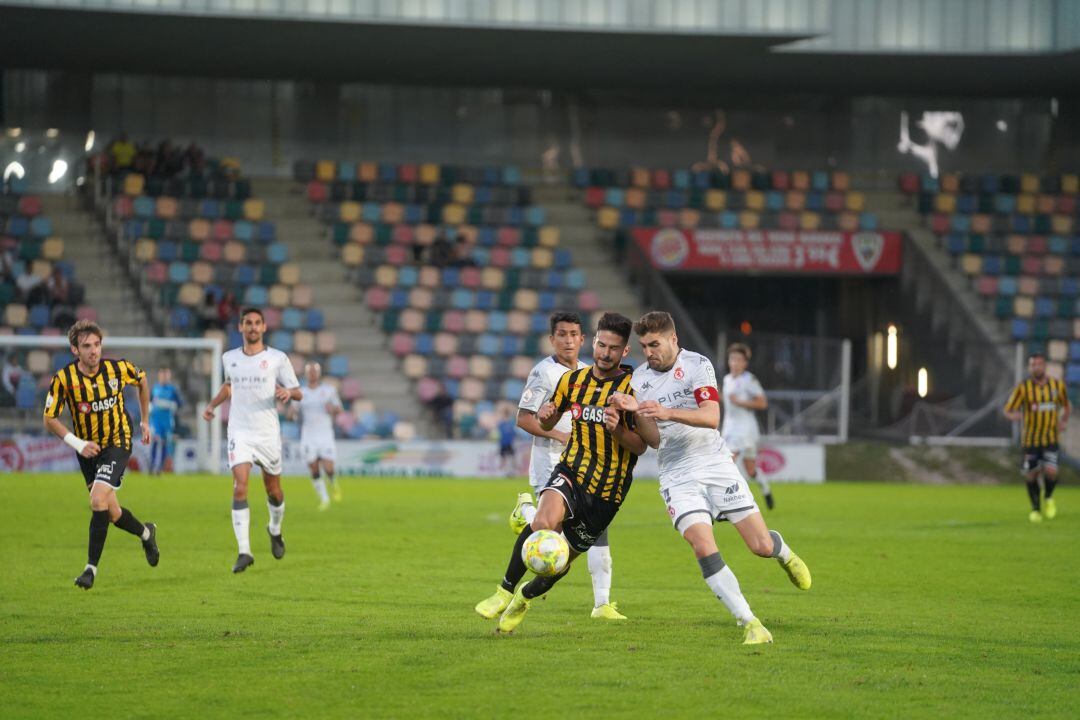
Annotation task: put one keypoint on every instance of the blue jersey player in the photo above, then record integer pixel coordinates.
(164, 404)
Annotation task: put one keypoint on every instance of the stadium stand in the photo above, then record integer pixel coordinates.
(461, 269)
(38, 292)
(1015, 238)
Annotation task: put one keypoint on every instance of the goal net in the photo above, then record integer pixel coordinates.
(30, 361)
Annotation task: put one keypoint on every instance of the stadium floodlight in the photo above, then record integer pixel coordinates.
(90, 137)
(209, 455)
(924, 382)
(15, 168)
(891, 348)
(59, 169)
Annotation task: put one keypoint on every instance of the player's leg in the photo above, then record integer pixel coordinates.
(766, 543)
(329, 469)
(241, 516)
(122, 517)
(749, 458)
(549, 515)
(697, 531)
(1050, 474)
(275, 503)
(599, 560)
(316, 480)
(1030, 467)
(99, 525)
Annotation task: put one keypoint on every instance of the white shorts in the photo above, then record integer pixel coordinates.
(744, 447)
(542, 464)
(318, 450)
(266, 455)
(723, 496)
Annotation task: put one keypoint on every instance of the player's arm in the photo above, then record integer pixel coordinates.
(54, 405)
(550, 413)
(222, 395)
(528, 421)
(288, 386)
(649, 431)
(1012, 407)
(334, 406)
(622, 432)
(1066, 407)
(757, 400)
(705, 415)
(144, 408)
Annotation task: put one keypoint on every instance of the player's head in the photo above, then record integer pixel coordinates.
(252, 325)
(612, 341)
(566, 336)
(85, 338)
(313, 372)
(1037, 365)
(738, 357)
(164, 376)
(659, 342)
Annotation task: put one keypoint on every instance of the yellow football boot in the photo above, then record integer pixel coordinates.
(493, 606)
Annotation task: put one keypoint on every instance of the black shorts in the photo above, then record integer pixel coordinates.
(1036, 457)
(107, 467)
(587, 515)
(506, 451)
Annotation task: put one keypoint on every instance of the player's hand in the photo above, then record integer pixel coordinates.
(208, 414)
(654, 410)
(560, 437)
(546, 412)
(611, 418)
(622, 401)
(144, 426)
(92, 449)
(282, 394)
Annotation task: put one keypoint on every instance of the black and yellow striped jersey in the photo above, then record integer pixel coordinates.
(96, 402)
(1041, 403)
(603, 467)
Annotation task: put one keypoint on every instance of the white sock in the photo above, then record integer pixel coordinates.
(725, 586)
(528, 512)
(320, 489)
(781, 551)
(241, 521)
(91, 568)
(277, 514)
(763, 482)
(145, 533)
(599, 557)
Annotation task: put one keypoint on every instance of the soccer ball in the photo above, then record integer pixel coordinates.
(546, 553)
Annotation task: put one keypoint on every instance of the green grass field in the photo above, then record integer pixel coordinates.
(927, 602)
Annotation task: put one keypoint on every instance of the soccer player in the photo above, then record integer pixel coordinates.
(742, 396)
(698, 478)
(506, 430)
(566, 339)
(595, 469)
(1042, 403)
(255, 376)
(317, 410)
(164, 403)
(92, 389)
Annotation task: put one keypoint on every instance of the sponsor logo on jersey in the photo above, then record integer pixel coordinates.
(587, 413)
(98, 405)
(575, 411)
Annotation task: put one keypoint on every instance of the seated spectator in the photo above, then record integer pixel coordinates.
(169, 161)
(442, 409)
(7, 264)
(9, 380)
(208, 313)
(145, 159)
(463, 253)
(32, 290)
(59, 288)
(195, 158)
(122, 151)
(227, 309)
(441, 253)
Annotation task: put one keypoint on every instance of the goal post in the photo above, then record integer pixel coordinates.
(148, 356)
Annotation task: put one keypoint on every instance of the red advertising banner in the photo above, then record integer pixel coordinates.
(841, 253)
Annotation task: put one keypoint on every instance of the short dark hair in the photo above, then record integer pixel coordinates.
(249, 310)
(81, 328)
(741, 349)
(1036, 354)
(656, 321)
(616, 323)
(566, 317)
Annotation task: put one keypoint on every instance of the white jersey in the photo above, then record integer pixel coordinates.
(316, 423)
(740, 423)
(686, 454)
(254, 379)
(539, 389)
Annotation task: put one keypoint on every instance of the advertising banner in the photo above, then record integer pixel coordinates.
(782, 251)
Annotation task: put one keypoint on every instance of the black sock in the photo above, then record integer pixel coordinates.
(1033, 493)
(540, 585)
(515, 570)
(1049, 484)
(129, 523)
(99, 528)
(330, 478)
(315, 475)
